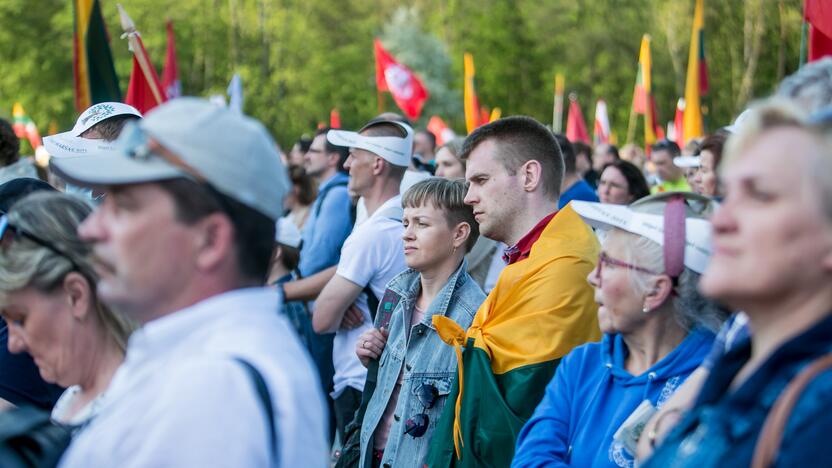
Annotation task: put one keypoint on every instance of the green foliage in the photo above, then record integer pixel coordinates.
(300, 58)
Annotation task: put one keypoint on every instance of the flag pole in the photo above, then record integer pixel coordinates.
(557, 107)
(380, 100)
(631, 124)
(133, 41)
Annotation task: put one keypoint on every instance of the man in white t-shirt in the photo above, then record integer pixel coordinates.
(372, 255)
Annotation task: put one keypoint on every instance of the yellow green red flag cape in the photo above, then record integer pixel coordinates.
(540, 309)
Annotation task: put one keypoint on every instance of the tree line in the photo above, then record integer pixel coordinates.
(300, 58)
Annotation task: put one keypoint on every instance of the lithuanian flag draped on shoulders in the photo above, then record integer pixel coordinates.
(95, 74)
(540, 309)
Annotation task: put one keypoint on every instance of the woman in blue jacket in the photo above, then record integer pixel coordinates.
(773, 261)
(657, 330)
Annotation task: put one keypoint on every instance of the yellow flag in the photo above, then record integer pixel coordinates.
(470, 102)
(693, 126)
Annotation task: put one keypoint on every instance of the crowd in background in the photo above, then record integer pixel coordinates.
(176, 291)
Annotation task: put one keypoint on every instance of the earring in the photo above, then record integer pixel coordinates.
(645, 309)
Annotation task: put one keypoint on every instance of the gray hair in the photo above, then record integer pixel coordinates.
(690, 307)
(811, 85)
(54, 218)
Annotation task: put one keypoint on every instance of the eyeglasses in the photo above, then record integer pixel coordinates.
(9, 229)
(417, 425)
(605, 259)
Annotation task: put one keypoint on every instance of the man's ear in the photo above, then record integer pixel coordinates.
(214, 240)
(532, 173)
(379, 164)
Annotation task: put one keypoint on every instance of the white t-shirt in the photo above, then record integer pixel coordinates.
(373, 254)
(181, 400)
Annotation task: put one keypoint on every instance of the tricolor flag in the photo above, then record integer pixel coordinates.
(24, 126)
(696, 84)
(511, 350)
(643, 101)
(407, 90)
(145, 90)
(92, 64)
(170, 74)
(575, 125)
(602, 123)
(470, 103)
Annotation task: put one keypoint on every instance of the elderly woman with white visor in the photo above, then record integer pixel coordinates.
(657, 329)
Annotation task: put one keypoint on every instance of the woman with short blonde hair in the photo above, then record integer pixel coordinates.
(772, 260)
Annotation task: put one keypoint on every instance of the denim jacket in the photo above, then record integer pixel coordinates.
(425, 359)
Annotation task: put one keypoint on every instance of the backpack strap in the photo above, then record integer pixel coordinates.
(324, 192)
(265, 401)
(771, 436)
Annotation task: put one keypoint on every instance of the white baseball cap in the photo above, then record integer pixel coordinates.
(231, 152)
(287, 233)
(698, 246)
(395, 150)
(71, 144)
(686, 162)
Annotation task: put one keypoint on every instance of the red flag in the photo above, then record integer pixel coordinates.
(334, 119)
(170, 74)
(407, 90)
(575, 126)
(602, 123)
(679, 123)
(818, 14)
(440, 130)
(144, 91)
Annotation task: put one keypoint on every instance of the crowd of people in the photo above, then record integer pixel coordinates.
(176, 291)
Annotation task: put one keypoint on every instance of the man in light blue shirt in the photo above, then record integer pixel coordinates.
(329, 221)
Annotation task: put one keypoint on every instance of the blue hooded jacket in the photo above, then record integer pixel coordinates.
(590, 397)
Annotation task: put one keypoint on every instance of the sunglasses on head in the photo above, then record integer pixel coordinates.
(417, 425)
(11, 231)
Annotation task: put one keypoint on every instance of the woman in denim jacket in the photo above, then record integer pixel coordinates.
(416, 368)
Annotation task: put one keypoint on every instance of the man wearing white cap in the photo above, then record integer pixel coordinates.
(372, 255)
(183, 239)
(93, 133)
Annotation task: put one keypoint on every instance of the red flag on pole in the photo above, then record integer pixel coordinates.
(407, 90)
(818, 14)
(334, 119)
(170, 74)
(679, 123)
(440, 130)
(602, 123)
(144, 91)
(575, 125)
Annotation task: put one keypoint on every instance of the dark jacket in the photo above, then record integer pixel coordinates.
(723, 427)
